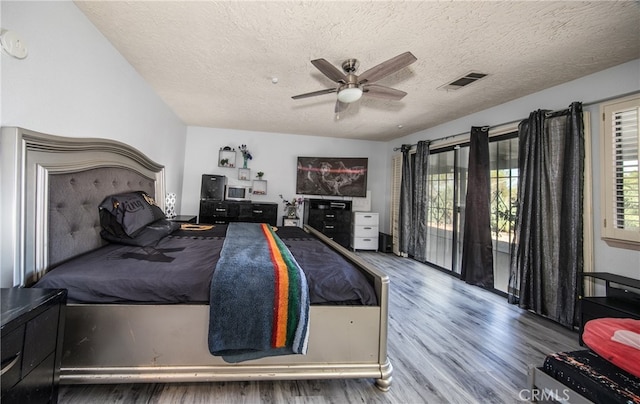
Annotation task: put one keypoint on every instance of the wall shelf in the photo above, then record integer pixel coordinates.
(259, 187)
(227, 158)
(244, 174)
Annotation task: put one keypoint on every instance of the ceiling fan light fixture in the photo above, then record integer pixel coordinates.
(349, 95)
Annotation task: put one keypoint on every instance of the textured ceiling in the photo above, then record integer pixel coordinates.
(213, 62)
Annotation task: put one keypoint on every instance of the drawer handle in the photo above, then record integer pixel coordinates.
(367, 228)
(11, 364)
(329, 227)
(329, 215)
(257, 211)
(367, 216)
(366, 239)
(220, 210)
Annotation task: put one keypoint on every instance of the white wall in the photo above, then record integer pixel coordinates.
(74, 83)
(613, 82)
(274, 154)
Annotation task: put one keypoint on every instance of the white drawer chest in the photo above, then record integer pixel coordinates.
(364, 231)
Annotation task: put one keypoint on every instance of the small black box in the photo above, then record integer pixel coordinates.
(385, 243)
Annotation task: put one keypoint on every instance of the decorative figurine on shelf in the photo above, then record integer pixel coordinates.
(246, 154)
(227, 157)
(259, 174)
(291, 207)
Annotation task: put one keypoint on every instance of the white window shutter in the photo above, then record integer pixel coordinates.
(621, 191)
(395, 202)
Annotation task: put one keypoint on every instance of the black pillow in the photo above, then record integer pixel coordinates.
(128, 213)
(147, 236)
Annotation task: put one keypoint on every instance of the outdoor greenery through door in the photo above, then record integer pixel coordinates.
(447, 184)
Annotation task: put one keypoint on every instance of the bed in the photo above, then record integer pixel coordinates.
(607, 372)
(59, 183)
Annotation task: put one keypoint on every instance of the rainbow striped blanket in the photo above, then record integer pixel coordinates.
(259, 300)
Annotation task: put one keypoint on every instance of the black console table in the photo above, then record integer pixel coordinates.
(619, 301)
(330, 217)
(32, 330)
(223, 212)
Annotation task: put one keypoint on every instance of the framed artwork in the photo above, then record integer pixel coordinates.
(244, 174)
(332, 176)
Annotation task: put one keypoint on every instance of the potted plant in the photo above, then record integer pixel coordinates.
(246, 155)
(291, 207)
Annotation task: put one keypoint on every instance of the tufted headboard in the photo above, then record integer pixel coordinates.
(55, 185)
(74, 223)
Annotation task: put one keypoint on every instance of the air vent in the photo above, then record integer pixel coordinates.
(463, 81)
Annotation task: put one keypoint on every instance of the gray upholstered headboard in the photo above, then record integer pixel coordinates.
(74, 223)
(55, 185)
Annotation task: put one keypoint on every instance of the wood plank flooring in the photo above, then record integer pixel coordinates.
(449, 342)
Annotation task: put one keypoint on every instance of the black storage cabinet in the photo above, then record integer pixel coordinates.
(216, 212)
(331, 217)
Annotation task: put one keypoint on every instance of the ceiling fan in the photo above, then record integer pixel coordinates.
(351, 86)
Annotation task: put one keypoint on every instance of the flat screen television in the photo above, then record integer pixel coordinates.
(332, 176)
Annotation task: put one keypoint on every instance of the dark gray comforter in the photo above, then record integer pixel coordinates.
(180, 267)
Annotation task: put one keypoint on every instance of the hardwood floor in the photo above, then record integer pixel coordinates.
(449, 342)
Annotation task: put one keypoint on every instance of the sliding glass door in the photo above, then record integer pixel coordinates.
(447, 185)
(504, 191)
(443, 212)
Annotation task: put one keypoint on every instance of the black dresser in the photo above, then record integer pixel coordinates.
(32, 330)
(330, 217)
(223, 212)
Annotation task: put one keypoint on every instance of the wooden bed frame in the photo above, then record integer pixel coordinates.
(127, 343)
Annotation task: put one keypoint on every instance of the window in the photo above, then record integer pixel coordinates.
(619, 174)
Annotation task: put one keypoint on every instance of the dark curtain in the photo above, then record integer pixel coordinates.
(406, 201)
(477, 251)
(420, 201)
(548, 252)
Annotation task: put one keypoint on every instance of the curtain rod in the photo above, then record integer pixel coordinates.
(587, 104)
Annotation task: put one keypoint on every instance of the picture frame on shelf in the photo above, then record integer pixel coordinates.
(244, 174)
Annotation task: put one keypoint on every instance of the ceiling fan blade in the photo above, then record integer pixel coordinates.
(314, 93)
(378, 91)
(341, 106)
(329, 70)
(386, 68)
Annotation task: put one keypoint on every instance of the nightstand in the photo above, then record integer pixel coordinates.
(184, 219)
(364, 231)
(32, 329)
(290, 221)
